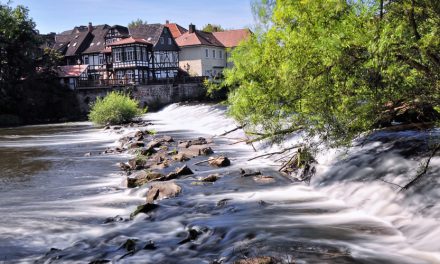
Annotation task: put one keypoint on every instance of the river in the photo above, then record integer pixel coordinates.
(55, 201)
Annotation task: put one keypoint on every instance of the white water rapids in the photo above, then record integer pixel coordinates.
(52, 196)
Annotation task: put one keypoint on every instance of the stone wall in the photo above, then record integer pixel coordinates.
(153, 96)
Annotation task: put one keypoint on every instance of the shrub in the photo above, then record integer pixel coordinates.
(115, 108)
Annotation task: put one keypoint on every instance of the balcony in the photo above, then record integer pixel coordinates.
(112, 83)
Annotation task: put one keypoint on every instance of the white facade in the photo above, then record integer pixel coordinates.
(203, 60)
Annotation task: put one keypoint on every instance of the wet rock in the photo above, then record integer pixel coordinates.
(142, 177)
(150, 245)
(223, 202)
(210, 178)
(162, 190)
(167, 139)
(407, 113)
(192, 235)
(264, 179)
(88, 154)
(154, 144)
(116, 219)
(147, 151)
(220, 161)
(188, 143)
(100, 261)
(107, 127)
(129, 245)
(249, 174)
(182, 171)
(258, 260)
(117, 127)
(144, 209)
(124, 166)
(137, 163)
(137, 144)
(181, 157)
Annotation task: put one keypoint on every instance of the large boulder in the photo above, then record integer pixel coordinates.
(162, 190)
(137, 163)
(196, 150)
(220, 161)
(142, 177)
(258, 260)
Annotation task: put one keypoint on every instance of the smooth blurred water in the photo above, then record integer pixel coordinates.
(52, 196)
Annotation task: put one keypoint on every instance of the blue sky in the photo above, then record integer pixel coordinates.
(59, 15)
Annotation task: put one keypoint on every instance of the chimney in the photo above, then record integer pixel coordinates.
(192, 28)
(90, 27)
(167, 22)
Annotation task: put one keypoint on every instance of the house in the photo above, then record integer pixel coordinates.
(71, 75)
(204, 53)
(165, 49)
(132, 60)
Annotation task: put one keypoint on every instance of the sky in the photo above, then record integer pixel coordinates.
(60, 15)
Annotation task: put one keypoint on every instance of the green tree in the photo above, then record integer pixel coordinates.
(328, 67)
(137, 22)
(212, 28)
(115, 108)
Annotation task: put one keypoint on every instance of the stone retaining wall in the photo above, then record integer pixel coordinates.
(153, 96)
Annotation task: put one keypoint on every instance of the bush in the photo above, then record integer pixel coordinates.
(115, 108)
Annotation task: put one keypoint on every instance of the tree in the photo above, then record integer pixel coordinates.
(115, 108)
(331, 73)
(212, 28)
(136, 23)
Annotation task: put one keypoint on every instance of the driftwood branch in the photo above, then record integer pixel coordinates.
(276, 152)
(424, 170)
(201, 162)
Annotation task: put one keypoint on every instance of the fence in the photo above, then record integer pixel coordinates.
(109, 83)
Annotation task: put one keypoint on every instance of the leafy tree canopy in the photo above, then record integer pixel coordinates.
(137, 22)
(212, 28)
(329, 67)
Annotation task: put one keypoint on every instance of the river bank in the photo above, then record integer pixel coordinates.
(223, 221)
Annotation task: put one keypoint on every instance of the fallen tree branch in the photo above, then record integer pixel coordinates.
(201, 162)
(397, 185)
(424, 171)
(262, 136)
(230, 131)
(276, 152)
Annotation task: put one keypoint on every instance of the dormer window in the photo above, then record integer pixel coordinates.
(170, 42)
(162, 40)
(91, 44)
(74, 44)
(99, 43)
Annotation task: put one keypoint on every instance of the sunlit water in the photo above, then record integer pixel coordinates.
(53, 196)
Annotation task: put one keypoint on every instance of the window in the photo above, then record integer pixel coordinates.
(130, 75)
(118, 55)
(138, 54)
(170, 42)
(86, 59)
(206, 53)
(120, 75)
(129, 54)
(162, 40)
(220, 54)
(101, 59)
(213, 54)
(144, 54)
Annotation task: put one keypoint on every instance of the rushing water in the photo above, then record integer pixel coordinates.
(53, 196)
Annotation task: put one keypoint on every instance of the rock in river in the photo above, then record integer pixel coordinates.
(162, 190)
(220, 161)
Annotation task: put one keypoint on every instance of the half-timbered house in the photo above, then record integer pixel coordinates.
(132, 61)
(165, 49)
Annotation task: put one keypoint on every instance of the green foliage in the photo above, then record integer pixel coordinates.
(329, 66)
(115, 108)
(212, 28)
(29, 89)
(137, 22)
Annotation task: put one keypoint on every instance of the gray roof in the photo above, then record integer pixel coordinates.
(150, 32)
(97, 44)
(77, 43)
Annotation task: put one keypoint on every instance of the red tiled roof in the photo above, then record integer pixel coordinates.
(130, 40)
(176, 30)
(198, 38)
(231, 38)
(71, 70)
